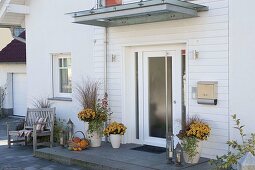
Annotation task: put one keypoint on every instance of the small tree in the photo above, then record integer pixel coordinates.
(2, 95)
(2, 98)
(238, 149)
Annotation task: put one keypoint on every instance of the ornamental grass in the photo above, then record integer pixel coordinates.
(95, 111)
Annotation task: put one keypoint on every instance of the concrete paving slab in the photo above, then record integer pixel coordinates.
(21, 158)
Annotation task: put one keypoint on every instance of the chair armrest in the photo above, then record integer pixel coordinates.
(15, 122)
(10, 126)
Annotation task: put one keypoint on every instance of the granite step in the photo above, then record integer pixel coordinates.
(104, 158)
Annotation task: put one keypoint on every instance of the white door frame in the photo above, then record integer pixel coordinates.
(128, 82)
(14, 91)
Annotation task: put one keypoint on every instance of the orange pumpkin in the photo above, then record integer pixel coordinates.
(84, 143)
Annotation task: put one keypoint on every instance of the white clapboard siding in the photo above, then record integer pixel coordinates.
(221, 104)
(207, 33)
(208, 69)
(221, 83)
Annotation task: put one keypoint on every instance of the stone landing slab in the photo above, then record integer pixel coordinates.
(105, 157)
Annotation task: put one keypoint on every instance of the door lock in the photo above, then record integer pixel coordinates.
(174, 101)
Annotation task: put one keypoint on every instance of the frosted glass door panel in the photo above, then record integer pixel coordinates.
(159, 94)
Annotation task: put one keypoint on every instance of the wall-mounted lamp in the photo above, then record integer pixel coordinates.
(114, 58)
(195, 54)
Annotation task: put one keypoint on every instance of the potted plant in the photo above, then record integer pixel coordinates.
(95, 111)
(115, 130)
(96, 121)
(195, 132)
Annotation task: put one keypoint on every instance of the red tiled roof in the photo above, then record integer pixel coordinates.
(15, 51)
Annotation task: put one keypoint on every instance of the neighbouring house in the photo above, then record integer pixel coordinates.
(13, 76)
(6, 37)
(152, 57)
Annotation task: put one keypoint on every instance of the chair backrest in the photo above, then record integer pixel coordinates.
(34, 114)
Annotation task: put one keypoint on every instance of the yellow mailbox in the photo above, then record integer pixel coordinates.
(207, 92)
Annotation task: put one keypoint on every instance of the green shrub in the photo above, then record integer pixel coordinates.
(238, 148)
(59, 125)
(3, 93)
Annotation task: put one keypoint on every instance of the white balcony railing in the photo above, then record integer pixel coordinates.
(108, 3)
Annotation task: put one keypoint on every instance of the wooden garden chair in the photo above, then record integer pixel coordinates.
(31, 123)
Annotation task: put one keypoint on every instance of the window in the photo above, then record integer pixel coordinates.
(17, 31)
(65, 75)
(62, 75)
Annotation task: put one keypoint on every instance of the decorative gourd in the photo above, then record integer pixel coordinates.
(78, 144)
(84, 143)
(76, 139)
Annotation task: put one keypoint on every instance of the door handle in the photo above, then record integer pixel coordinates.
(174, 101)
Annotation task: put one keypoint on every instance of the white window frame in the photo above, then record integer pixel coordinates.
(56, 75)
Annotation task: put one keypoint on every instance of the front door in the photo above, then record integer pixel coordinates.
(162, 95)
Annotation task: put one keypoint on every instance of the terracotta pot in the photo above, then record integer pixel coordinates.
(109, 3)
(115, 140)
(196, 158)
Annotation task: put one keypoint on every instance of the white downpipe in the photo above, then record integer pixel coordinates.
(105, 59)
(105, 71)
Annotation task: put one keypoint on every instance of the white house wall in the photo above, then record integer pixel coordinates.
(49, 31)
(242, 64)
(207, 33)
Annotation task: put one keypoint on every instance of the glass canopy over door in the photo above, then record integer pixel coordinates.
(137, 13)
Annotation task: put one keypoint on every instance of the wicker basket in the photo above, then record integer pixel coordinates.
(76, 145)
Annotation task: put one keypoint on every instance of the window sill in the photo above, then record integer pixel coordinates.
(67, 99)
